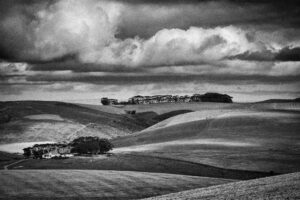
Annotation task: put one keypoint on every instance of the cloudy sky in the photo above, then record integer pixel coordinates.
(80, 50)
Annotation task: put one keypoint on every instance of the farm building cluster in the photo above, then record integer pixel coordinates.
(48, 151)
(79, 146)
(208, 97)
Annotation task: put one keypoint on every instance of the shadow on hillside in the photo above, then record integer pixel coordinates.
(143, 163)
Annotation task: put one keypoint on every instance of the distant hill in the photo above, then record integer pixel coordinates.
(280, 100)
(277, 187)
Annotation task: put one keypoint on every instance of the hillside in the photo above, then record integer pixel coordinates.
(162, 108)
(7, 158)
(94, 184)
(33, 121)
(277, 187)
(258, 139)
(138, 162)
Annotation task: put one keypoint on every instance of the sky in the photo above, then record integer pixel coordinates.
(82, 50)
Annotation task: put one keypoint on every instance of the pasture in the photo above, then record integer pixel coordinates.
(276, 187)
(94, 184)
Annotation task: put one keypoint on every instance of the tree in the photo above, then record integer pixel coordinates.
(27, 152)
(105, 145)
(90, 145)
(105, 101)
(38, 154)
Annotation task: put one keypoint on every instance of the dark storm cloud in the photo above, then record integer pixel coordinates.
(286, 54)
(16, 33)
(149, 41)
(266, 13)
(165, 78)
(25, 31)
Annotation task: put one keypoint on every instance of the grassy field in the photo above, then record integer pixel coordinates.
(256, 139)
(277, 187)
(94, 184)
(139, 162)
(8, 158)
(33, 121)
(38, 121)
(221, 141)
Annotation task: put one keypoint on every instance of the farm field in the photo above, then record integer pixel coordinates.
(95, 184)
(276, 187)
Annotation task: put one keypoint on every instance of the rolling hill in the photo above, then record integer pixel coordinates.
(33, 121)
(276, 187)
(280, 100)
(258, 139)
(40, 121)
(94, 184)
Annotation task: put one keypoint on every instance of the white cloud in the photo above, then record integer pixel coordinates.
(176, 46)
(72, 26)
(13, 68)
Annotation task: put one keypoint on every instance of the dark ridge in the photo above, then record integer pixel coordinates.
(280, 100)
(171, 114)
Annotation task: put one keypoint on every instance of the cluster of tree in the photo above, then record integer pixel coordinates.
(91, 145)
(106, 101)
(207, 97)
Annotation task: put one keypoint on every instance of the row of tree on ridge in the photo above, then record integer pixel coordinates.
(207, 97)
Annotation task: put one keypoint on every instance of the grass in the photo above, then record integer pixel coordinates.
(8, 158)
(94, 184)
(276, 187)
(139, 162)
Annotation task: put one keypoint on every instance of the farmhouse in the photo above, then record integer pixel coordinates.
(196, 98)
(48, 151)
